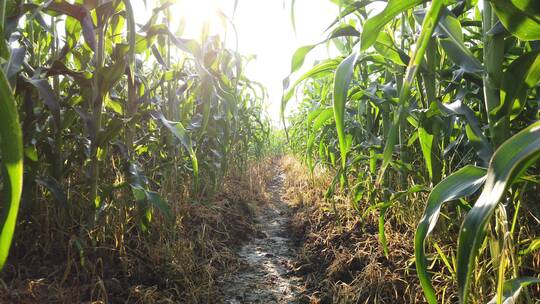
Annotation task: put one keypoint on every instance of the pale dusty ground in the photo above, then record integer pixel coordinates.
(267, 259)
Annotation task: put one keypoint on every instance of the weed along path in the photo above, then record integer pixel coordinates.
(265, 274)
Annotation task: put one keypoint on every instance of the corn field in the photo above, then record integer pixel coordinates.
(429, 114)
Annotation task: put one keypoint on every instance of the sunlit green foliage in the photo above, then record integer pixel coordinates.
(117, 113)
(436, 93)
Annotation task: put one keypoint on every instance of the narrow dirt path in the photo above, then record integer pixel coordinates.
(266, 259)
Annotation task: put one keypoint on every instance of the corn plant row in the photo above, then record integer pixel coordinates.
(94, 102)
(438, 96)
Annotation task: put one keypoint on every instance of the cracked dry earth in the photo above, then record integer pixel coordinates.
(266, 272)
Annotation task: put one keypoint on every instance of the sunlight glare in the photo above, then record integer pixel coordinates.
(196, 14)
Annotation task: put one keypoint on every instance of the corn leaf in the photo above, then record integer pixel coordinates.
(79, 12)
(322, 68)
(475, 135)
(181, 134)
(522, 74)
(464, 182)
(12, 159)
(519, 17)
(301, 53)
(428, 135)
(451, 40)
(374, 25)
(512, 289)
(342, 80)
(511, 159)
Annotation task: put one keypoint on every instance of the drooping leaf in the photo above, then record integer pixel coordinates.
(476, 137)
(55, 188)
(451, 40)
(522, 74)
(511, 159)
(15, 62)
(519, 17)
(139, 188)
(181, 134)
(323, 68)
(385, 46)
(81, 13)
(300, 55)
(355, 6)
(46, 93)
(464, 182)
(375, 24)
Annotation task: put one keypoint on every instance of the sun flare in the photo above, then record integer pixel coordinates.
(195, 15)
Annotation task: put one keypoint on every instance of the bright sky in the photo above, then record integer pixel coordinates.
(265, 30)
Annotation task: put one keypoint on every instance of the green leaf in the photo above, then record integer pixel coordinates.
(519, 17)
(80, 13)
(113, 128)
(299, 56)
(522, 75)
(181, 134)
(342, 80)
(318, 121)
(344, 30)
(159, 203)
(322, 118)
(49, 98)
(476, 137)
(111, 75)
(386, 47)
(349, 10)
(511, 159)
(512, 289)
(374, 25)
(55, 188)
(322, 68)
(533, 246)
(12, 159)
(131, 38)
(428, 134)
(428, 26)
(452, 43)
(464, 182)
(139, 188)
(15, 62)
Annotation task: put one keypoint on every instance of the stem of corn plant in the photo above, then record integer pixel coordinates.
(428, 26)
(131, 101)
(97, 108)
(493, 52)
(2, 16)
(502, 218)
(58, 160)
(493, 59)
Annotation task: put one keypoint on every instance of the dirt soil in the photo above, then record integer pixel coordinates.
(266, 271)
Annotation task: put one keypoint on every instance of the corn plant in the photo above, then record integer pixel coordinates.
(117, 116)
(451, 86)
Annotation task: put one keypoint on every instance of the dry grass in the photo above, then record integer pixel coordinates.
(342, 258)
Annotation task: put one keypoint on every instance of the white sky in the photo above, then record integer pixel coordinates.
(265, 30)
